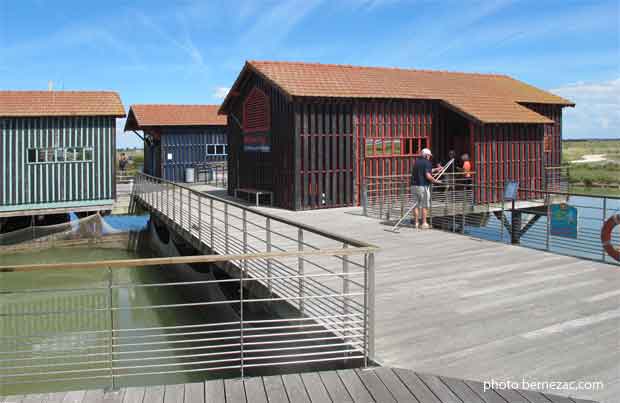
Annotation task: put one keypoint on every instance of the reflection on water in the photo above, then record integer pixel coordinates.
(69, 330)
(592, 212)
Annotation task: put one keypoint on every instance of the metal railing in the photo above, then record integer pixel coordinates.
(212, 173)
(456, 207)
(294, 296)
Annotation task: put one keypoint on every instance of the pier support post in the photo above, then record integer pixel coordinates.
(515, 228)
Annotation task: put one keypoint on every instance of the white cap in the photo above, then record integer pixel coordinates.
(426, 151)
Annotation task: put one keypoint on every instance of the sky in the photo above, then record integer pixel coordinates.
(191, 51)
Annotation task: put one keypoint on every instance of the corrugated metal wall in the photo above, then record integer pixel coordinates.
(187, 146)
(42, 184)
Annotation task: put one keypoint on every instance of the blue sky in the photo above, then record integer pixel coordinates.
(191, 52)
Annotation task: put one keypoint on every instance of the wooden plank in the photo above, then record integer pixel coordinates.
(315, 388)
(274, 387)
(34, 398)
(533, 397)
(512, 396)
(95, 396)
(416, 386)
(354, 385)
(114, 396)
(214, 391)
(373, 384)
(439, 388)
(255, 390)
(295, 388)
(174, 393)
(463, 391)
(393, 383)
(194, 392)
(74, 397)
(57, 397)
(235, 391)
(489, 396)
(558, 399)
(154, 394)
(134, 395)
(336, 389)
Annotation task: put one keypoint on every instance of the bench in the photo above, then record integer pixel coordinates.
(257, 194)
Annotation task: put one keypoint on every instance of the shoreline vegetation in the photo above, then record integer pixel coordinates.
(592, 166)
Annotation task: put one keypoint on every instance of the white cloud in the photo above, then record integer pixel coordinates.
(221, 92)
(597, 111)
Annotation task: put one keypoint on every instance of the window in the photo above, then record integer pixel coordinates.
(69, 155)
(217, 149)
(32, 155)
(60, 155)
(56, 154)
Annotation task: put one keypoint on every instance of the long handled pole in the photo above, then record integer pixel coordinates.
(438, 175)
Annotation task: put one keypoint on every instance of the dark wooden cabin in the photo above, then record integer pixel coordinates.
(311, 133)
(57, 151)
(177, 137)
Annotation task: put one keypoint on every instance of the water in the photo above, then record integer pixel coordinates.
(592, 211)
(53, 335)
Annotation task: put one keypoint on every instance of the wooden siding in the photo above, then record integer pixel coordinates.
(505, 152)
(24, 184)
(274, 170)
(188, 148)
(410, 123)
(324, 131)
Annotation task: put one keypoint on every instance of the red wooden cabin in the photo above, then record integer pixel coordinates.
(311, 133)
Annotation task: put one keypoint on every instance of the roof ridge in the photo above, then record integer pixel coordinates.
(61, 91)
(379, 68)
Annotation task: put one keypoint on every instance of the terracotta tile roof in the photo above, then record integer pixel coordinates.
(60, 103)
(488, 98)
(173, 115)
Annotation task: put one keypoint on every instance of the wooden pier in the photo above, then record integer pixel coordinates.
(457, 306)
(380, 385)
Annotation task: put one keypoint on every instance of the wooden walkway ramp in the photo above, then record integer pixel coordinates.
(380, 385)
(465, 308)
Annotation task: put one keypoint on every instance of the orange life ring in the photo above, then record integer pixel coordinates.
(606, 236)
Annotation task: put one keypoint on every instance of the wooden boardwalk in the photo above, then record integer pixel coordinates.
(381, 385)
(461, 307)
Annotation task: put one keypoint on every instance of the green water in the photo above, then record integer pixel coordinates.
(66, 327)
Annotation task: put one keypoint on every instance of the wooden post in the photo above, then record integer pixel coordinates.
(300, 266)
(515, 228)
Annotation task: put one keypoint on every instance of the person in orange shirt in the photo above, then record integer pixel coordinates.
(466, 168)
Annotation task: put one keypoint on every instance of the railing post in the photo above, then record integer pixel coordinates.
(463, 221)
(548, 232)
(245, 237)
(345, 291)
(211, 220)
(364, 198)
(241, 324)
(174, 210)
(268, 249)
(370, 308)
(200, 220)
(189, 212)
(603, 223)
(111, 334)
(300, 266)
(226, 228)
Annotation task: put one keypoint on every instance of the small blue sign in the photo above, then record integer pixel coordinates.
(564, 220)
(510, 190)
